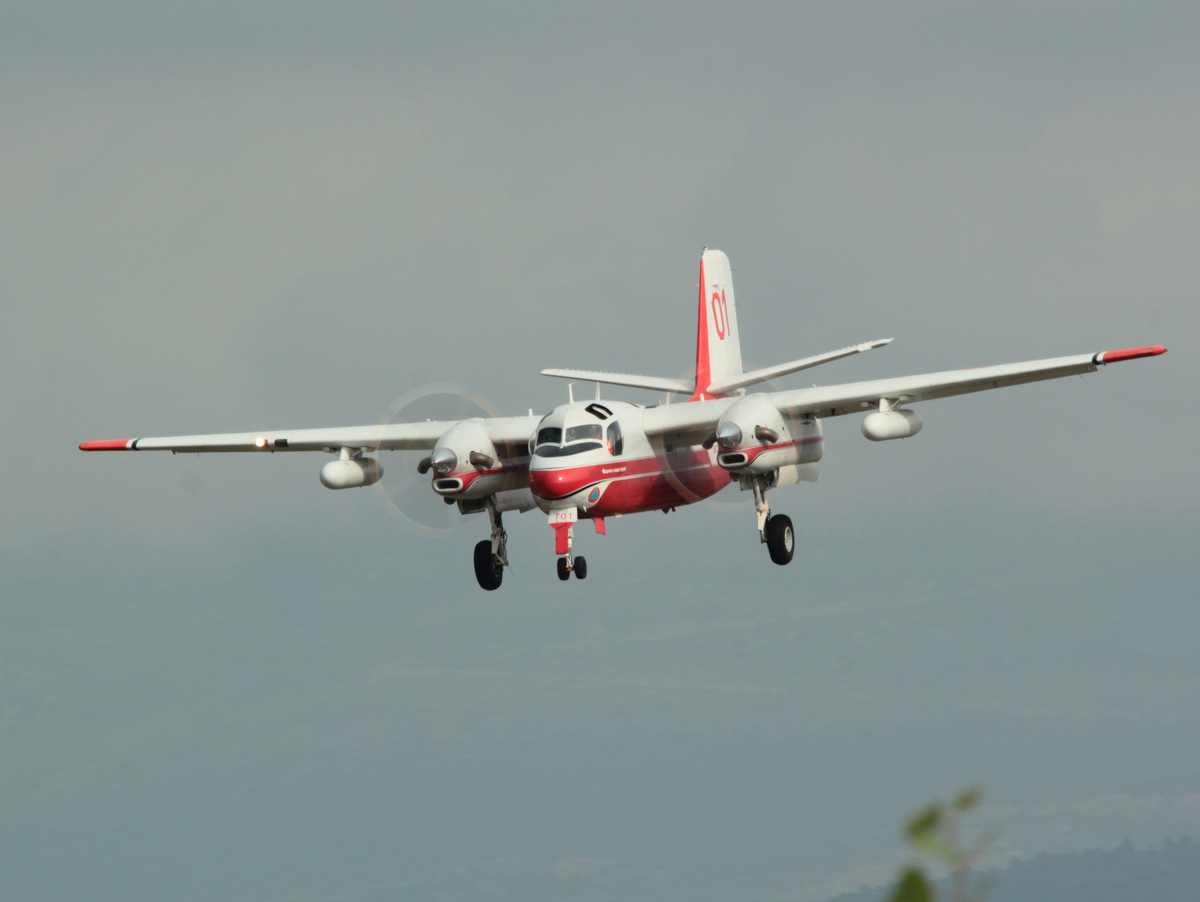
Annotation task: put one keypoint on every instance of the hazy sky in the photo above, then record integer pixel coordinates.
(222, 681)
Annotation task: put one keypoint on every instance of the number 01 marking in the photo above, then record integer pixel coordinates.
(720, 314)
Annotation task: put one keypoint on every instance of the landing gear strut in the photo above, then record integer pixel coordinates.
(775, 532)
(491, 555)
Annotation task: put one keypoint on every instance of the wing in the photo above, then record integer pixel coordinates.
(685, 424)
(855, 397)
(510, 432)
(691, 423)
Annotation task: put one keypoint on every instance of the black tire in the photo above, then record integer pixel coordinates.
(563, 572)
(488, 571)
(580, 568)
(781, 541)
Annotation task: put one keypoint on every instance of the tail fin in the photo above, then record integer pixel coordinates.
(718, 347)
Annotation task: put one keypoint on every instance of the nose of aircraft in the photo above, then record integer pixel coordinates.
(556, 483)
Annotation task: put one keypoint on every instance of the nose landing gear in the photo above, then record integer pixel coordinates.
(567, 566)
(564, 537)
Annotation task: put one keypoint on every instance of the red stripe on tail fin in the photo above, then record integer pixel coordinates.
(718, 345)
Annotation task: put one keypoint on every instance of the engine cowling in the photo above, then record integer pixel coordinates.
(351, 474)
(885, 425)
(755, 438)
(464, 462)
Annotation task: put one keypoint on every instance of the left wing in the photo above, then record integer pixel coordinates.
(693, 422)
(510, 432)
(856, 397)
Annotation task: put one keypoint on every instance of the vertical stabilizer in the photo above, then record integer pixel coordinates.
(718, 345)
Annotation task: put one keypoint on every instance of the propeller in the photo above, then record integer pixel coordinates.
(405, 488)
(675, 466)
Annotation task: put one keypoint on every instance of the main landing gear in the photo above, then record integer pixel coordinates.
(491, 555)
(775, 532)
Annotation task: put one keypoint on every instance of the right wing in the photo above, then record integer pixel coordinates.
(510, 432)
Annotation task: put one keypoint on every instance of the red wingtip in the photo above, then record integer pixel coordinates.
(1130, 354)
(114, 444)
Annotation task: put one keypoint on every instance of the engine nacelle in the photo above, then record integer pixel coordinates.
(350, 474)
(466, 464)
(885, 425)
(754, 437)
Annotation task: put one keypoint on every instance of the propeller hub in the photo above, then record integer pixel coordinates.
(443, 460)
(728, 434)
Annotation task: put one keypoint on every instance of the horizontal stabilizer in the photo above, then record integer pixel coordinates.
(653, 383)
(773, 372)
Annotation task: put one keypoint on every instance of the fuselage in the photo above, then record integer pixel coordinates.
(595, 456)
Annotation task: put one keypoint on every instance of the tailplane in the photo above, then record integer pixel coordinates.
(718, 346)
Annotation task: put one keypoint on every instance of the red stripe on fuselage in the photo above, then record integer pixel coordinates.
(641, 484)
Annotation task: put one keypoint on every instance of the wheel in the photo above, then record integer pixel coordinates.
(781, 541)
(580, 568)
(488, 571)
(563, 572)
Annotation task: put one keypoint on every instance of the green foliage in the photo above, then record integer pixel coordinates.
(936, 833)
(913, 886)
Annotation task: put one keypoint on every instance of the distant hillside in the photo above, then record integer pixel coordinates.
(1123, 874)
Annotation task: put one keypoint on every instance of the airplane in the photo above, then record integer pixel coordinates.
(596, 459)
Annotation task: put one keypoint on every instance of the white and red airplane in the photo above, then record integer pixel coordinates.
(588, 460)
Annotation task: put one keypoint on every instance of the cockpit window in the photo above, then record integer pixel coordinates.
(565, 450)
(587, 430)
(615, 442)
(549, 435)
(599, 411)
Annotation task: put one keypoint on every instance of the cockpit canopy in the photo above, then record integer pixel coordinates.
(556, 439)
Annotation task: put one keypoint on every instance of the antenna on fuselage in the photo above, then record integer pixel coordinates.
(571, 392)
(597, 391)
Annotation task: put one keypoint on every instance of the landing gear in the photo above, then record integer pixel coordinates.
(567, 567)
(781, 541)
(491, 555)
(775, 532)
(488, 570)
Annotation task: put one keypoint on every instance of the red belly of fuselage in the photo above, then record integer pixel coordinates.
(628, 486)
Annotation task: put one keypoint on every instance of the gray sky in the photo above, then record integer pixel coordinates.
(223, 681)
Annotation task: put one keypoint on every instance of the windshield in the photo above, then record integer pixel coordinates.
(587, 430)
(556, 451)
(549, 435)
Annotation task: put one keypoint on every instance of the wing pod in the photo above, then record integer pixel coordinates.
(885, 425)
(351, 473)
